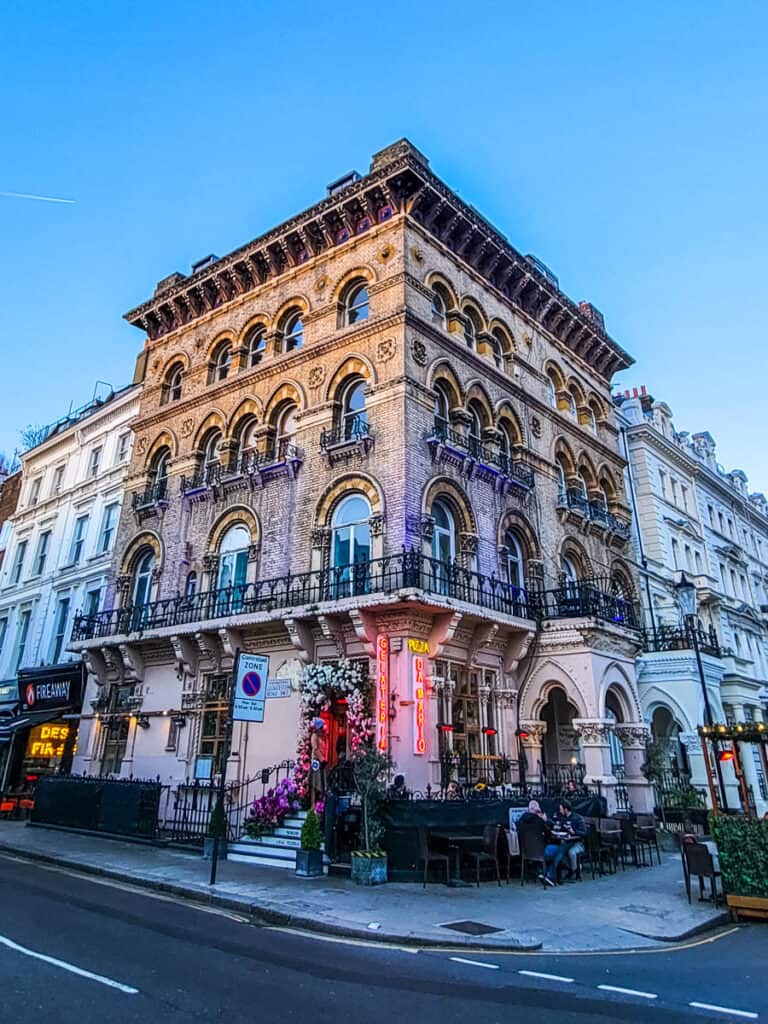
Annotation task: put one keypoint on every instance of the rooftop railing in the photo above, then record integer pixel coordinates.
(408, 570)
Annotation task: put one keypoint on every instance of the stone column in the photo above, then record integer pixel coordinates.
(593, 734)
(532, 748)
(633, 737)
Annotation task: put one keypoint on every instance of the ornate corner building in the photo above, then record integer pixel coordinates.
(377, 420)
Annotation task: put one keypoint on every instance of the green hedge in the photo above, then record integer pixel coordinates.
(743, 847)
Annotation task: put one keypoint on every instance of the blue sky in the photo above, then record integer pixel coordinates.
(625, 145)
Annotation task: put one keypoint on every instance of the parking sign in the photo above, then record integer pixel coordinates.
(250, 688)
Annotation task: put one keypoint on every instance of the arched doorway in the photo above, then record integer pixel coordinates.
(560, 753)
(665, 731)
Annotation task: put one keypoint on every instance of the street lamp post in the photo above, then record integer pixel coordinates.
(686, 594)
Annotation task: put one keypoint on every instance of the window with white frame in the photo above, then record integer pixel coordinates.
(256, 345)
(58, 480)
(34, 491)
(663, 483)
(42, 552)
(124, 446)
(22, 633)
(92, 601)
(3, 632)
(94, 461)
(108, 524)
(59, 629)
(675, 553)
(18, 561)
(293, 331)
(356, 303)
(78, 539)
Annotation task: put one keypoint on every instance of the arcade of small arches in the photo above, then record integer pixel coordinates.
(262, 338)
(569, 397)
(579, 480)
(465, 318)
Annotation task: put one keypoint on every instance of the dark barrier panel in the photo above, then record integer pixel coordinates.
(126, 808)
(403, 818)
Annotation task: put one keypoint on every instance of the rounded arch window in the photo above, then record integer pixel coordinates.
(515, 563)
(562, 475)
(439, 307)
(172, 386)
(190, 587)
(499, 344)
(475, 429)
(356, 303)
(589, 420)
(141, 591)
(210, 456)
(442, 407)
(472, 328)
(551, 390)
(444, 535)
(614, 743)
(233, 557)
(353, 415)
(159, 472)
(351, 545)
(256, 346)
(569, 569)
(221, 362)
(293, 331)
(285, 431)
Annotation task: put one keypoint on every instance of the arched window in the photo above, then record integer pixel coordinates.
(353, 415)
(190, 588)
(355, 304)
(475, 430)
(443, 545)
(293, 331)
(233, 568)
(256, 346)
(159, 473)
(562, 477)
(615, 745)
(589, 421)
(505, 447)
(551, 390)
(142, 579)
(442, 410)
(172, 385)
(285, 432)
(569, 570)
(439, 308)
(515, 565)
(221, 361)
(472, 328)
(350, 546)
(210, 457)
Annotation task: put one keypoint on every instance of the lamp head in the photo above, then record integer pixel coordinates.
(686, 595)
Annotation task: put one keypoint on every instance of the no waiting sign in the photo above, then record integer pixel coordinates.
(250, 688)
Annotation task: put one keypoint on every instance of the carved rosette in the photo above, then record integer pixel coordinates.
(316, 376)
(386, 350)
(419, 352)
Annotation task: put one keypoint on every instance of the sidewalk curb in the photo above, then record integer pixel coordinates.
(268, 915)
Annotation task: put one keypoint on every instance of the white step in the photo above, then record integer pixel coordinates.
(269, 856)
(289, 833)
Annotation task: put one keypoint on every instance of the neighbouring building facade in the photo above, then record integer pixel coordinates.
(57, 562)
(695, 517)
(377, 432)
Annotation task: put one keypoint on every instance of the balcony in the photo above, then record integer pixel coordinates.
(497, 462)
(347, 438)
(151, 497)
(406, 571)
(250, 466)
(680, 638)
(595, 512)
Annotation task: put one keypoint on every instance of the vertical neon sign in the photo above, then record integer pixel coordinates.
(419, 742)
(382, 692)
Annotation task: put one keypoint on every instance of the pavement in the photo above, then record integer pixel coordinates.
(638, 908)
(75, 948)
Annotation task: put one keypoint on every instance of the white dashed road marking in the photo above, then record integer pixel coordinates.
(68, 967)
(474, 963)
(546, 977)
(628, 991)
(725, 1009)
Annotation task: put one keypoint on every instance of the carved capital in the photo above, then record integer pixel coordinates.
(633, 734)
(376, 524)
(123, 584)
(210, 562)
(253, 552)
(468, 543)
(593, 732)
(536, 731)
(321, 538)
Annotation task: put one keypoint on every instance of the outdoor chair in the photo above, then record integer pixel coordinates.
(489, 852)
(429, 856)
(646, 836)
(532, 849)
(697, 860)
(611, 838)
(629, 840)
(597, 852)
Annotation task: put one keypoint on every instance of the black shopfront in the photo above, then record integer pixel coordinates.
(41, 736)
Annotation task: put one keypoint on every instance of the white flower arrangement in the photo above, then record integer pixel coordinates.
(319, 684)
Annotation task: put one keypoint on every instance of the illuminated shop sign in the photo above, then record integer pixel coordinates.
(47, 741)
(418, 646)
(51, 688)
(419, 692)
(382, 692)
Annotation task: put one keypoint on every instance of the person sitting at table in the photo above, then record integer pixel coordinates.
(533, 814)
(397, 790)
(453, 792)
(570, 829)
(570, 790)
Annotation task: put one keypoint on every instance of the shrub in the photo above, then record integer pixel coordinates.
(311, 836)
(743, 847)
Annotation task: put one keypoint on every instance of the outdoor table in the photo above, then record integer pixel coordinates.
(455, 844)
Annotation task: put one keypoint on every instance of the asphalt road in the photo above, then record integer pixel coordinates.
(76, 950)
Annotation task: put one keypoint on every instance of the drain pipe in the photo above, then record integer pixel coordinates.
(638, 531)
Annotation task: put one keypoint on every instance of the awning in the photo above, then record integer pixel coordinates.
(13, 725)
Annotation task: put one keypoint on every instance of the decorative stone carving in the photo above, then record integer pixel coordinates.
(187, 426)
(316, 376)
(210, 562)
(417, 255)
(419, 352)
(427, 527)
(536, 731)
(634, 734)
(123, 584)
(321, 284)
(321, 537)
(691, 742)
(536, 427)
(593, 732)
(385, 254)
(253, 552)
(376, 525)
(468, 543)
(386, 350)
(141, 445)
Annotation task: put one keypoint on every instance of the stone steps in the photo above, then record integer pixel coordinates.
(276, 849)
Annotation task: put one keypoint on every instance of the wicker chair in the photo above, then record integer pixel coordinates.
(532, 848)
(489, 851)
(429, 856)
(698, 861)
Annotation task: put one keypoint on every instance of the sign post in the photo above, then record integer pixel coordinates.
(247, 694)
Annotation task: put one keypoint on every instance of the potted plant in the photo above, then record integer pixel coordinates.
(217, 832)
(309, 858)
(370, 769)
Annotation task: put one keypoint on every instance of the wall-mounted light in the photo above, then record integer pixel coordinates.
(489, 732)
(725, 755)
(523, 734)
(142, 721)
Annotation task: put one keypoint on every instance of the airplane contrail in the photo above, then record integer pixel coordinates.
(42, 199)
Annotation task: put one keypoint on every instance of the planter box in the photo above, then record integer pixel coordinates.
(748, 906)
(309, 863)
(368, 869)
(208, 848)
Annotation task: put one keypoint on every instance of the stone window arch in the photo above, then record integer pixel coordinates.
(220, 362)
(355, 303)
(291, 329)
(173, 383)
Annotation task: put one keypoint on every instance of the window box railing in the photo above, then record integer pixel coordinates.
(408, 570)
(251, 463)
(205, 476)
(516, 469)
(595, 511)
(681, 638)
(150, 496)
(350, 431)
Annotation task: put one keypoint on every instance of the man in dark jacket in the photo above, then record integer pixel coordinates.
(571, 829)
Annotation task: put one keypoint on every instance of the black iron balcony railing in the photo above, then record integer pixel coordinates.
(151, 496)
(585, 599)
(204, 476)
(595, 511)
(249, 463)
(517, 470)
(408, 570)
(349, 430)
(681, 638)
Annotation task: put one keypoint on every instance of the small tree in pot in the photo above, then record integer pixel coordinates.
(370, 769)
(309, 859)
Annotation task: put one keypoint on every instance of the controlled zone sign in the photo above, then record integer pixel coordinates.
(250, 688)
